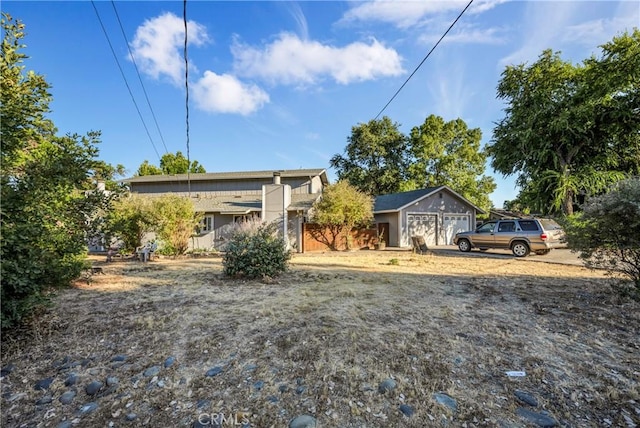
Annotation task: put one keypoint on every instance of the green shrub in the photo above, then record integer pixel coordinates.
(256, 251)
(607, 233)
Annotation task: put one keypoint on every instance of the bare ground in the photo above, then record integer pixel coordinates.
(321, 339)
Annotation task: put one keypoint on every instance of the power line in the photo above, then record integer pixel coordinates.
(139, 77)
(186, 84)
(425, 58)
(125, 78)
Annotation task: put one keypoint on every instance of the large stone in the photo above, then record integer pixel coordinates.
(67, 397)
(446, 401)
(94, 387)
(214, 371)
(43, 384)
(45, 400)
(526, 398)
(407, 410)
(386, 385)
(88, 408)
(540, 419)
(71, 380)
(152, 371)
(169, 362)
(303, 421)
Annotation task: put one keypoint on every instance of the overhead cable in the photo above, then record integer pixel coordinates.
(425, 58)
(186, 84)
(125, 79)
(133, 59)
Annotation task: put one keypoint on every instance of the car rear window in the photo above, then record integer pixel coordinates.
(528, 225)
(549, 224)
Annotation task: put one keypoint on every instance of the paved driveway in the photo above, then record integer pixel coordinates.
(559, 255)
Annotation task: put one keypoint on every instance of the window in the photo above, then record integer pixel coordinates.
(486, 228)
(528, 225)
(243, 218)
(206, 224)
(507, 226)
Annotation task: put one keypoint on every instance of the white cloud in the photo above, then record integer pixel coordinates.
(405, 14)
(158, 43)
(298, 16)
(597, 32)
(291, 60)
(226, 94)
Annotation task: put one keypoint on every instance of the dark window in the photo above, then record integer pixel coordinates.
(528, 225)
(507, 226)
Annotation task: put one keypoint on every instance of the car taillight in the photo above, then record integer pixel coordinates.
(543, 236)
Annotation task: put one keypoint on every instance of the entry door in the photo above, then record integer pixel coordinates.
(424, 225)
(454, 223)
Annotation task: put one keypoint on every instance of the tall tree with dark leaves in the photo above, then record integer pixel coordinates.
(570, 130)
(449, 154)
(374, 159)
(48, 186)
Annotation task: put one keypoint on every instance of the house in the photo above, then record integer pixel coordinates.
(436, 213)
(225, 198)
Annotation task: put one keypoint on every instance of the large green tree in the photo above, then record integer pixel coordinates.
(170, 164)
(568, 129)
(449, 153)
(374, 159)
(47, 186)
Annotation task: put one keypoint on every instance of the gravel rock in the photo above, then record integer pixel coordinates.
(258, 385)
(387, 385)
(88, 408)
(169, 362)
(112, 381)
(303, 421)
(71, 380)
(65, 424)
(131, 417)
(67, 397)
(407, 410)
(119, 358)
(94, 387)
(446, 401)
(45, 400)
(152, 371)
(526, 398)
(43, 384)
(214, 371)
(6, 370)
(540, 419)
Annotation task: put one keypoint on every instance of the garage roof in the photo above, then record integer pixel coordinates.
(398, 201)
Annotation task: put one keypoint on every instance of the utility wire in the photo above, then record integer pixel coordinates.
(139, 77)
(186, 84)
(125, 78)
(424, 59)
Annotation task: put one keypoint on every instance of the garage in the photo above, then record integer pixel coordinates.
(424, 225)
(454, 223)
(435, 213)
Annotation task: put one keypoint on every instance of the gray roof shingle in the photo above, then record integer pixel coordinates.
(238, 175)
(395, 201)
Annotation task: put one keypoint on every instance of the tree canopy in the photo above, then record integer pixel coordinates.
(379, 159)
(374, 159)
(48, 186)
(341, 208)
(449, 154)
(570, 130)
(170, 164)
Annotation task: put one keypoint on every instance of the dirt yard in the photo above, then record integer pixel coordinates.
(351, 339)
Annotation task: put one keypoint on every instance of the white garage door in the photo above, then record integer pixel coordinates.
(423, 225)
(454, 223)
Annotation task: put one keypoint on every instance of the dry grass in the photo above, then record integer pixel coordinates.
(336, 325)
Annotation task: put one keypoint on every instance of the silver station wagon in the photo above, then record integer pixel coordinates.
(521, 236)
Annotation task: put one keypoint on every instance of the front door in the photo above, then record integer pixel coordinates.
(483, 236)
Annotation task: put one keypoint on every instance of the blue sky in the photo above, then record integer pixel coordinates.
(278, 84)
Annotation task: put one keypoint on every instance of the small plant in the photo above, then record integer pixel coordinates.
(256, 251)
(394, 262)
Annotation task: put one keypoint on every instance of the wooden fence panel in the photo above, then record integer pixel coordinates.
(360, 238)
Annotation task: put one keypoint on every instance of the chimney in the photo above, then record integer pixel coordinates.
(276, 177)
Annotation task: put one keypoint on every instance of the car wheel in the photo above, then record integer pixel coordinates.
(520, 249)
(464, 245)
(543, 252)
